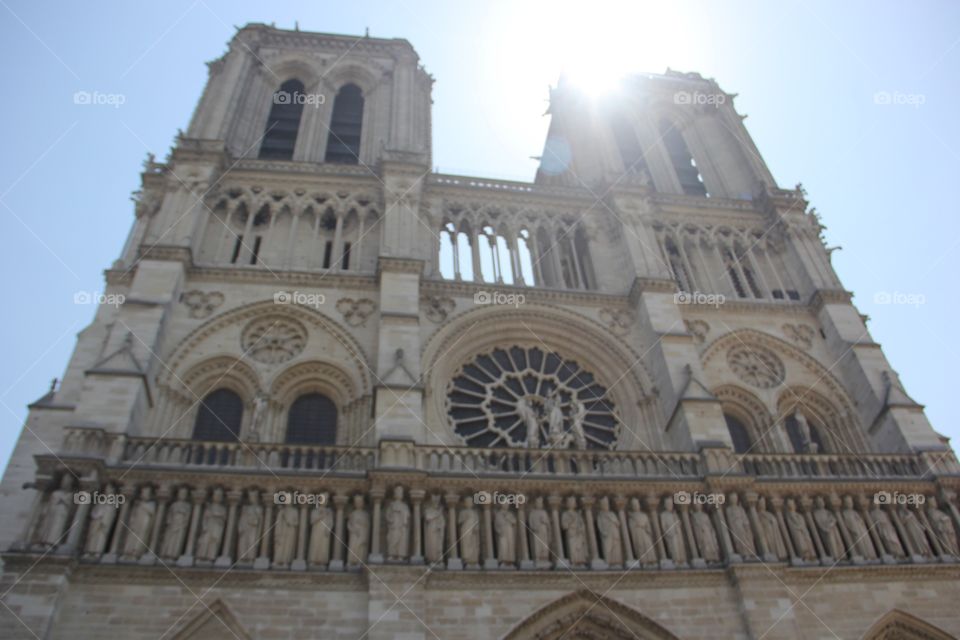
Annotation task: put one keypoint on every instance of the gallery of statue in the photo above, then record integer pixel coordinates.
(346, 396)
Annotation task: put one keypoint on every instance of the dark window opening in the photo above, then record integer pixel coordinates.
(631, 153)
(682, 161)
(236, 249)
(343, 144)
(345, 261)
(327, 254)
(283, 123)
(256, 250)
(312, 420)
(738, 434)
(219, 417)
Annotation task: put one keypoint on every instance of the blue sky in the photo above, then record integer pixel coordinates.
(808, 74)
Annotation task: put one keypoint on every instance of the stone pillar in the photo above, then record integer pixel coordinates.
(129, 492)
(71, 545)
(723, 535)
(489, 555)
(776, 505)
(652, 503)
(805, 502)
(596, 562)
(226, 555)
(164, 496)
(198, 497)
(453, 557)
(695, 560)
(263, 560)
(376, 557)
(629, 560)
(553, 501)
(416, 497)
(339, 543)
(751, 498)
(523, 541)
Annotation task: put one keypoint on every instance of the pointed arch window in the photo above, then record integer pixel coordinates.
(219, 417)
(343, 144)
(683, 163)
(283, 123)
(312, 420)
(804, 434)
(631, 153)
(738, 434)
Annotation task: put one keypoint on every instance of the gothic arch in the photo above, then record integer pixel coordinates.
(614, 363)
(751, 412)
(319, 327)
(214, 622)
(802, 376)
(588, 615)
(836, 427)
(900, 625)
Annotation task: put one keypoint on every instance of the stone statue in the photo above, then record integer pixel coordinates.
(611, 542)
(915, 531)
(806, 441)
(505, 527)
(802, 542)
(704, 534)
(469, 521)
(257, 423)
(942, 528)
(285, 535)
(528, 415)
(860, 537)
(829, 531)
(434, 527)
(141, 524)
(578, 413)
(176, 525)
(771, 531)
(557, 437)
(740, 531)
(102, 517)
(575, 532)
(538, 521)
(321, 527)
(248, 528)
(211, 527)
(358, 528)
(641, 531)
(672, 532)
(398, 527)
(57, 513)
(888, 534)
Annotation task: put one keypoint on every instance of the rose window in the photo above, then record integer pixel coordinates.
(756, 366)
(273, 339)
(527, 397)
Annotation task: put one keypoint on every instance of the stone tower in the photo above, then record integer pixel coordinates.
(341, 394)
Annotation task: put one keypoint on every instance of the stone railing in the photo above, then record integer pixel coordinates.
(589, 463)
(838, 466)
(334, 523)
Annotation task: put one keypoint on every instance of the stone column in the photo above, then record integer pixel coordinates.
(695, 560)
(848, 542)
(164, 495)
(523, 540)
(553, 501)
(489, 555)
(596, 562)
(79, 523)
(629, 560)
(416, 497)
(652, 503)
(804, 503)
(776, 505)
(339, 502)
(376, 557)
(723, 534)
(453, 557)
(129, 491)
(226, 558)
(862, 503)
(263, 561)
(198, 497)
(300, 561)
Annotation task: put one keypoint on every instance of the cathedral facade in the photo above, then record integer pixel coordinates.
(341, 395)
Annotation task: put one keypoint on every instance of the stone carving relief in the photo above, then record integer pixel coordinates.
(140, 525)
(356, 312)
(177, 524)
(273, 339)
(618, 321)
(358, 526)
(611, 542)
(801, 335)
(285, 535)
(756, 365)
(538, 522)
(57, 514)
(201, 303)
(437, 308)
(211, 531)
(248, 528)
(398, 527)
(672, 533)
(321, 528)
(434, 526)
(469, 522)
(574, 533)
(505, 528)
(698, 329)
